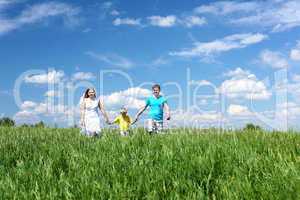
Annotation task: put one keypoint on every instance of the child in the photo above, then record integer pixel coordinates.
(124, 121)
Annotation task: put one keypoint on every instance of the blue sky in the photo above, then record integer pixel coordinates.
(231, 49)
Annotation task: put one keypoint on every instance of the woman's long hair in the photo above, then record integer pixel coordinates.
(86, 94)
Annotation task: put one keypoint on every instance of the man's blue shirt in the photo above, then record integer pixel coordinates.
(156, 107)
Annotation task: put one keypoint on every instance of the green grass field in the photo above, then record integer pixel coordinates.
(184, 164)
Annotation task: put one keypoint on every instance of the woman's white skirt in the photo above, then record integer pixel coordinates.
(92, 125)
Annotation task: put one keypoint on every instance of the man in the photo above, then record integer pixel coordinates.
(157, 103)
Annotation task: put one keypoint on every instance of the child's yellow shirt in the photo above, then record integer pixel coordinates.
(123, 122)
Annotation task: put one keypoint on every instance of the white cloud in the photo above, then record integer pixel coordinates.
(86, 30)
(5, 4)
(238, 111)
(137, 92)
(115, 13)
(226, 7)
(132, 98)
(80, 76)
(25, 116)
(244, 85)
(194, 118)
(39, 12)
(163, 21)
(107, 5)
(295, 52)
(50, 77)
(50, 9)
(277, 15)
(159, 61)
(50, 93)
(32, 112)
(167, 21)
(273, 59)
(127, 21)
(112, 59)
(191, 21)
(287, 111)
(236, 41)
(296, 78)
(28, 105)
(200, 83)
(237, 73)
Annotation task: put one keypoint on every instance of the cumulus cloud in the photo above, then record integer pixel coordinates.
(288, 109)
(242, 84)
(196, 119)
(172, 20)
(294, 87)
(51, 93)
(236, 41)
(296, 78)
(28, 105)
(161, 21)
(273, 59)
(238, 111)
(50, 77)
(132, 98)
(80, 76)
(32, 112)
(200, 82)
(191, 21)
(127, 21)
(39, 12)
(295, 52)
(237, 73)
(25, 116)
(112, 59)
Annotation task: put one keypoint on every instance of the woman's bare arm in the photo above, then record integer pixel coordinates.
(82, 113)
(101, 107)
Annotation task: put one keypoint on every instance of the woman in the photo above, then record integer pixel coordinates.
(89, 116)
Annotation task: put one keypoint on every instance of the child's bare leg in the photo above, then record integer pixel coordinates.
(150, 126)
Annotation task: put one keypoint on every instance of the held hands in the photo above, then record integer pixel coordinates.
(82, 124)
(135, 120)
(107, 121)
(168, 117)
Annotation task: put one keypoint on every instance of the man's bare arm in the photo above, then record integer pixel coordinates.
(139, 113)
(168, 112)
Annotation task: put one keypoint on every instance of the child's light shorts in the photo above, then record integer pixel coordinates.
(154, 126)
(124, 133)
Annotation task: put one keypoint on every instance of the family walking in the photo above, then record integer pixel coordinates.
(90, 119)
